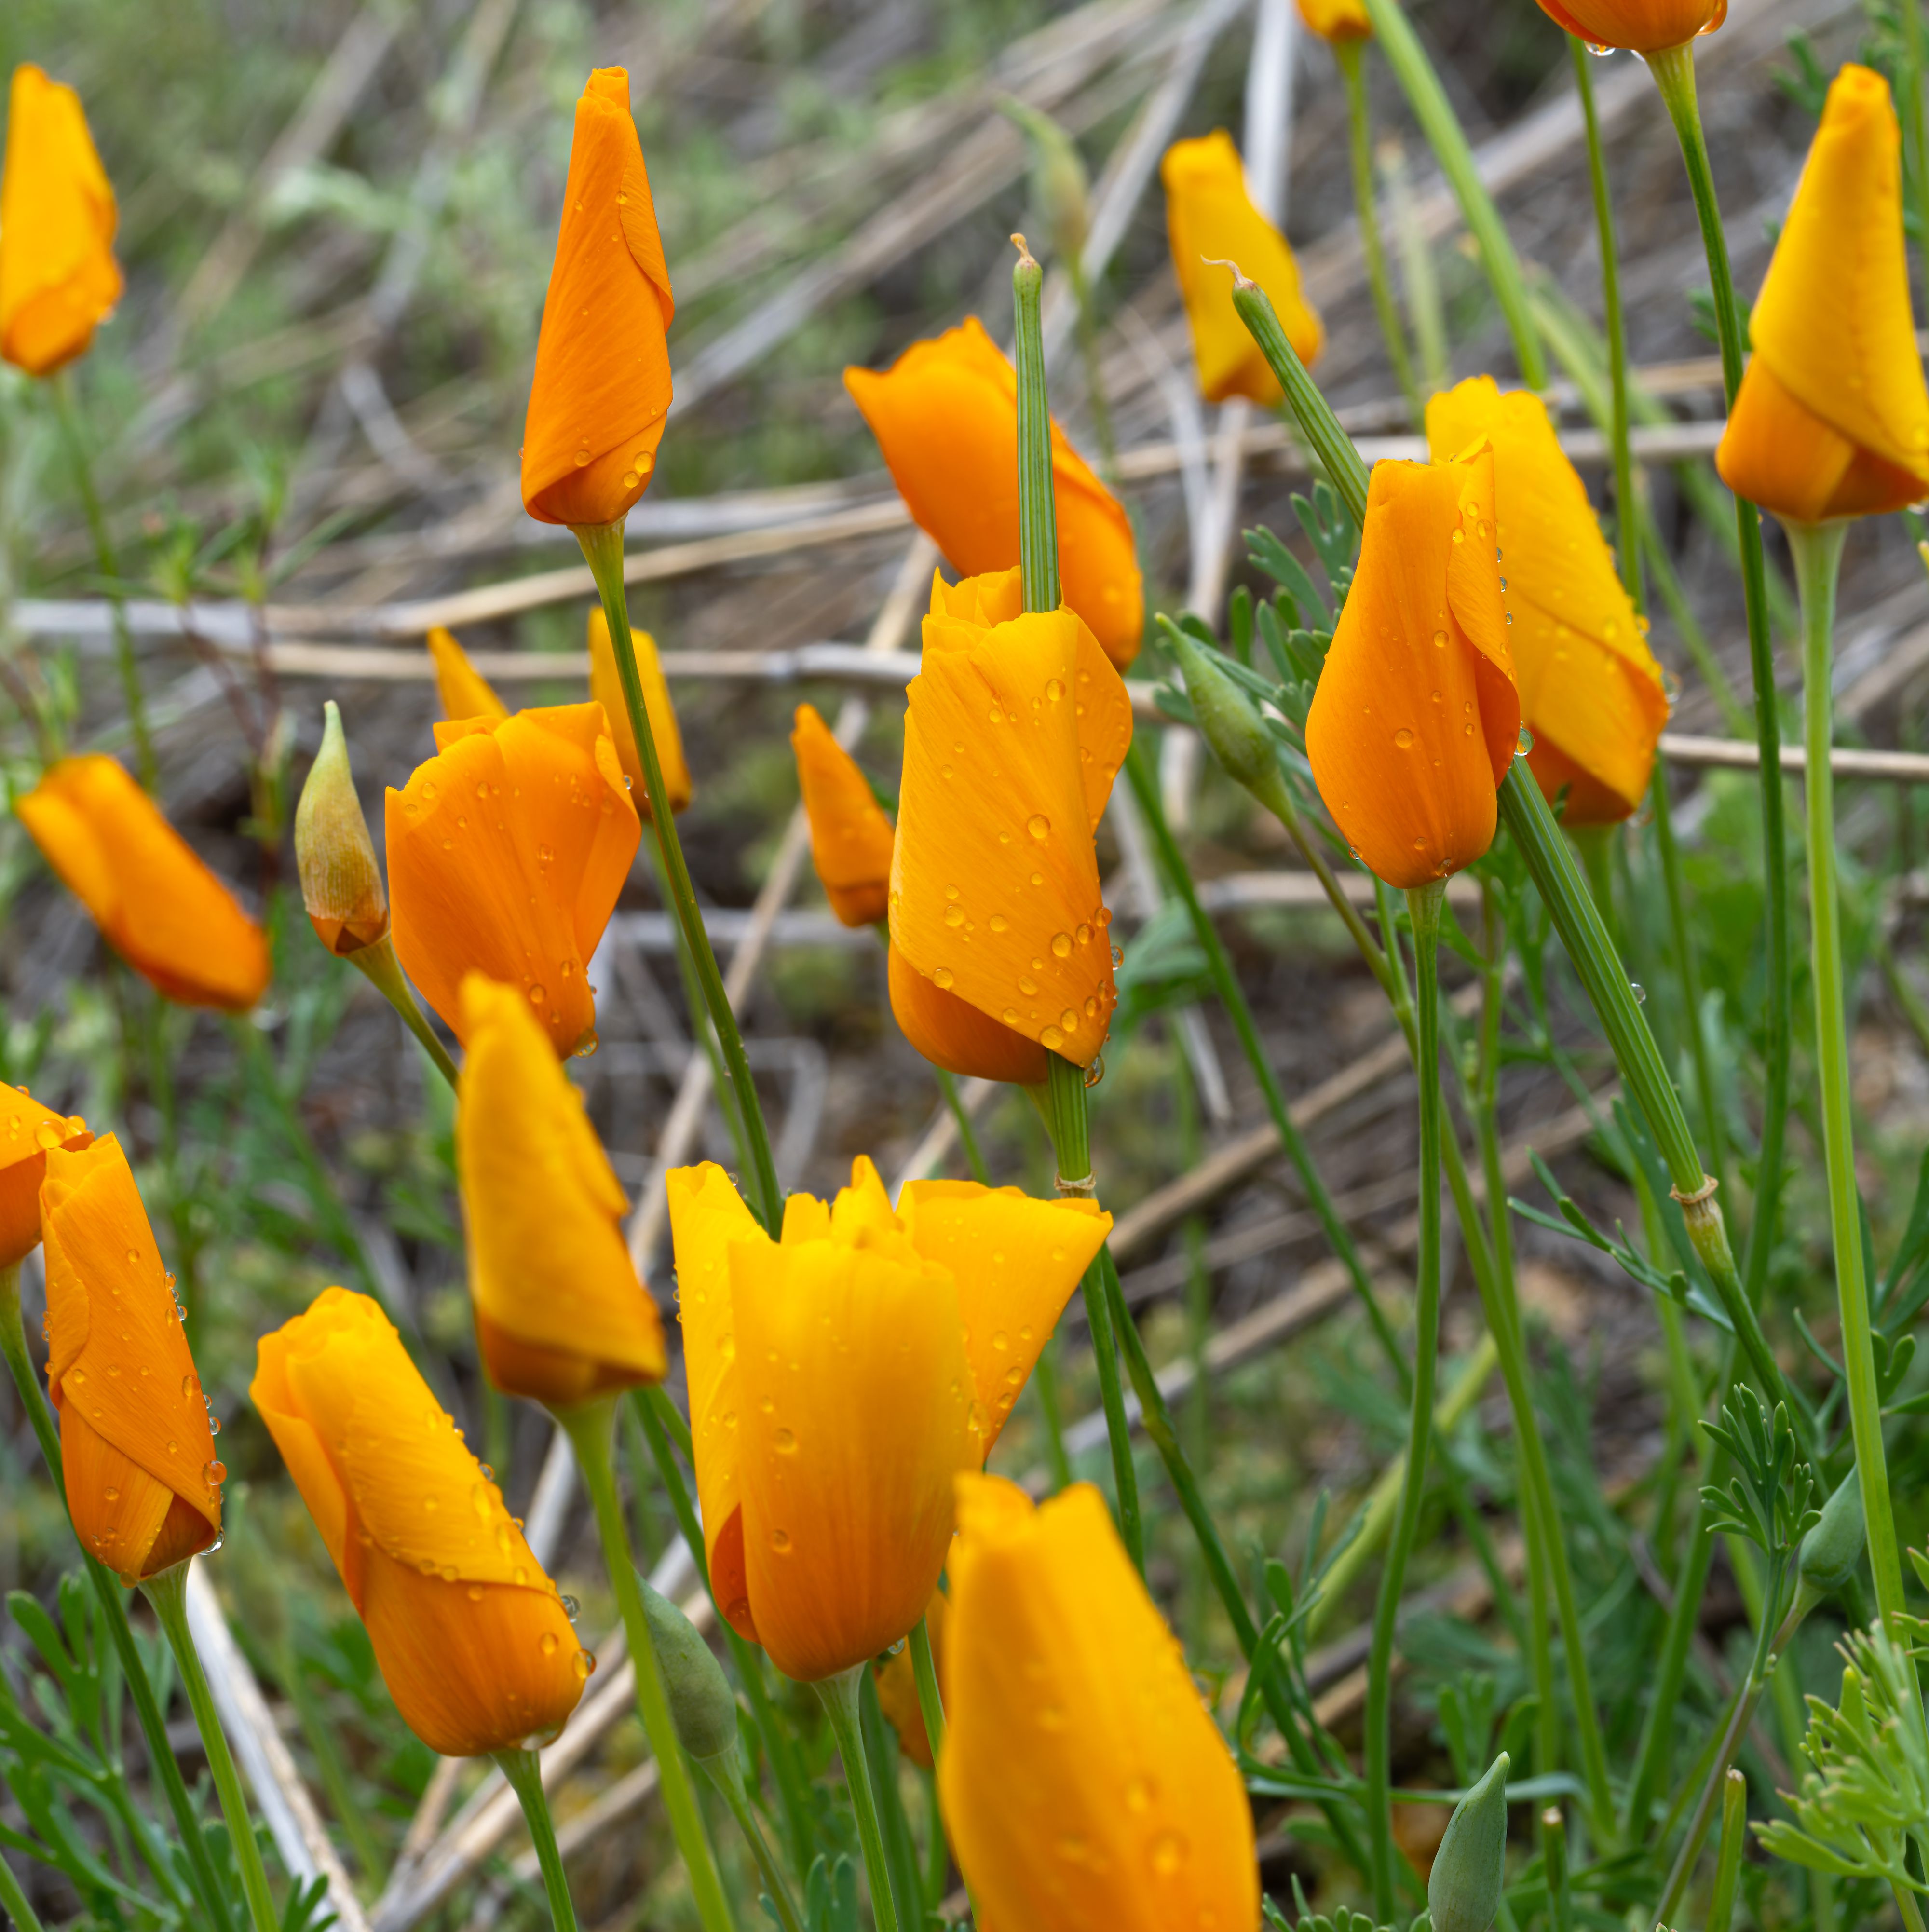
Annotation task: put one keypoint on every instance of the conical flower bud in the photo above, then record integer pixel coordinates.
(701, 1705)
(1060, 189)
(1463, 1890)
(1227, 717)
(1832, 1549)
(341, 884)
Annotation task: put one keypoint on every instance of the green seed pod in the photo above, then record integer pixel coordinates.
(1229, 718)
(701, 1705)
(1463, 1893)
(1831, 1550)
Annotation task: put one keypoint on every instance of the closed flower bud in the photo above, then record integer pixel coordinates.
(1336, 19)
(28, 1133)
(1645, 26)
(560, 1316)
(155, 902)
(1831, 1551)
(1084, 1786)
(341, 883)
(851, 838)
(506, 852)
(601, 391)
(1210, 220)
(1463, 1889)
(1832, 417)
(1590, 692)
(1416, 717)
(1227, 716)
(1060, 189)
(897, 1685)
(1015, 729)
(841, 1376)
(464, 692)
(469, 1635)
(945, 415)
(143, 1486)
(606, 687)
(701, 1704)
(58, 278)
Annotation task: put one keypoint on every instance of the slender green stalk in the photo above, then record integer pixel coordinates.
(592, 1431)
(1442, 127)
(930, 1700)
(1350, 54)
(1095, 373)
(1037, 502)
(71, 433)
(1734, 1842)
(1682, 933)
(1424, 310)
(967, 1135)
(523, 1770)
(1045, 1381)
(1424, 903)
(378, 964)
(1673, 71)
(13, 1901)
(1069, 1122)
(1626, 518)
(208, 1887)
(839, 1695)
(1554, 1859)
(603, 548)
(168, 1593)
(1329, 443)
(776, 1884)
(1916, 147)
(1817, 551)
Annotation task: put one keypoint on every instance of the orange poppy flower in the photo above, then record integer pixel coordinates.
(341, 884)
(850, 837)
(841, 1376)
(1590, 692)
(1335, 20)
(560, 1316)
(1645, 26)
(155, 902)
(1083, 1784)
(601, 391)
(58, 279)
(1210, 220)
(1416, 715)
(464, 692)
(31, 1132)
(471, 1637)
(143, 1486)
(506, 853)
(945, 415)
(1016, 727)
(897, 1686)
(606, 687)
(1832, 417)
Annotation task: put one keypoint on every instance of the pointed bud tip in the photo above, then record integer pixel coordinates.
(341, 883)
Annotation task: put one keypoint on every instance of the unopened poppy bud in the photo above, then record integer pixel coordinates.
(1464, 1888)
(341, 883)
(701, 1705)
(1060, 187)
(1228, 718)
(1832, 1549)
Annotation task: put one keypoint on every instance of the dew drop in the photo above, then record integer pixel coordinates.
(780, 1539)
(113, 1495)
(1403, 738)
(1027, 984)
(583, 1664)
(1052, 1038)
(954, 916)
(548, 1644)
(215, 1474)
(1061, 946)
(1010, 1016)
(786, 1442)
(999, 923)
(1168, 1849)
(942, 978)
(1039, 826)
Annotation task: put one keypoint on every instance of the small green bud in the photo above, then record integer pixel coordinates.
(1463, 1892)
(341, 883)
(1060, 187)
(1229, 718)
(701, 1705)
(1831, 1551)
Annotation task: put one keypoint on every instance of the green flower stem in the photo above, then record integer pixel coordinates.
(1095, 398)
(71, 434)
(1817, 551)
(661, 1423)
(776, 1885)
(13, 1901)
(208, 1885)
(1916, 148)
(1069, 1122)
(1350, 54)
(1438, 121)
(1045, 1380)
(1330, 444)
(378, 964)
(523, 1770)
(1037, 501)
(1554, 1859)
(930, 1700)
(1423, 904)
(592, 1431)
(1232, 997)
(1627, 517)
(1682, 933)
(603, 547)
(967, 1137)
(1673, 71)
(168, 1593)
(839, 1696)
(1734, 1841)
